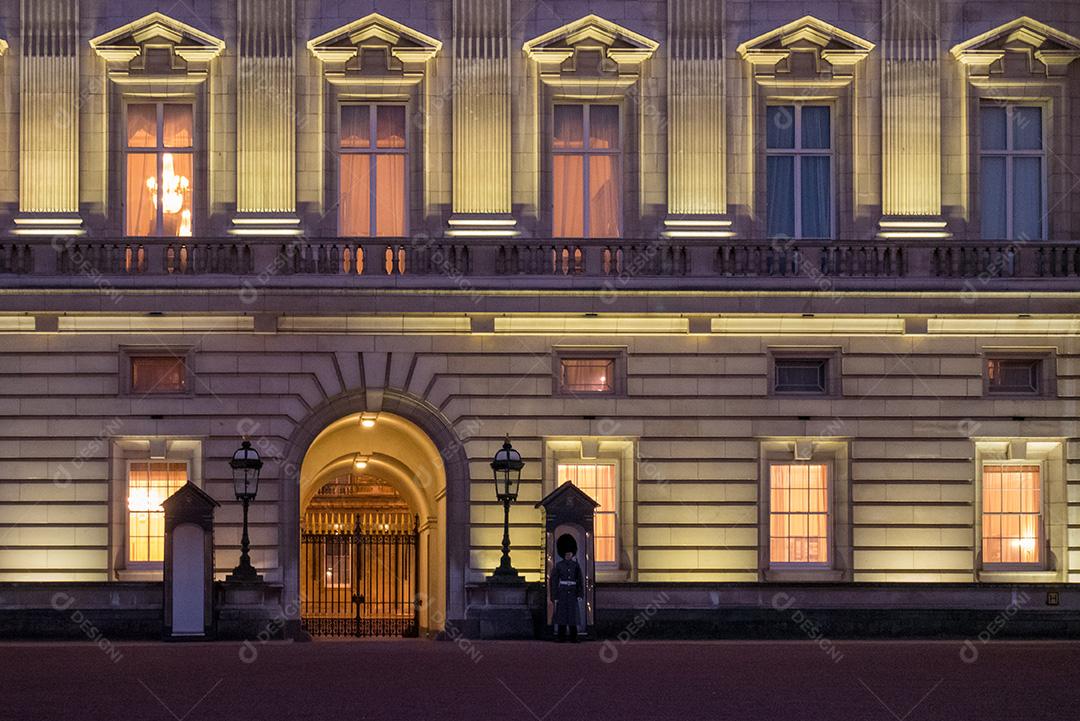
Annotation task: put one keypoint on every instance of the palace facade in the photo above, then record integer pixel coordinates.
(790, 289)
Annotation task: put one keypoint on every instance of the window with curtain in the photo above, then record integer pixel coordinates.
(1012, 520)
(1011, 172)
(798, 171)
(599, 481)
(585, 171)
(799, 513)
(373, 159)
(158, 374)
(160, 169)
(150, 483)
(588, 375)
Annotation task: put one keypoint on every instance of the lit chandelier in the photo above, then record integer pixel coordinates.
(173, 188)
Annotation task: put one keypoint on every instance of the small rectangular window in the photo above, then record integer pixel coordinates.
(158, 374)
(588, 375)
(598, 481)
(1013, 376)
(799, 513)
(801, 375)
(150, 483)
(1012, 514)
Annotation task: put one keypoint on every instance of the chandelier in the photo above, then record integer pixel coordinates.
(173, 188)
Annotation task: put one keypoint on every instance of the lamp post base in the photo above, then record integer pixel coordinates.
(507, 575)
(244, 573)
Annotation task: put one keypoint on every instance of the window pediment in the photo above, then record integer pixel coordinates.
(372, 46)
(157, 45)
(590, 48)
(1023, 45)
(805, 49)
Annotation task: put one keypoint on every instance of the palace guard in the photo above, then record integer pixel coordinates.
(567, 586)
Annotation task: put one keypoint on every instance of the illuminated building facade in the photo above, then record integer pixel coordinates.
(791, 289)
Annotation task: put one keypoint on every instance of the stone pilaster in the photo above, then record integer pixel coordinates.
(697, 167)
(49, 118)
(911, 120)
(266, 118)
(481, 119)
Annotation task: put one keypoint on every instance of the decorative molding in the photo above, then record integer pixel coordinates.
(832, 51)
(1047, 51)
(125, 50)
(399, 50)
(558, 53)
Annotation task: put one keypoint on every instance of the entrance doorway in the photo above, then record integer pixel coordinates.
(359, 561)
(371, 541)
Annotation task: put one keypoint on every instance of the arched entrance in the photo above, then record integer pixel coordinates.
(404, 477)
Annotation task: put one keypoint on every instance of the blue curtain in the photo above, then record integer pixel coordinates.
(816, 197)
(992, 198)
(1027, 198)
(816, 134)
(780, 200)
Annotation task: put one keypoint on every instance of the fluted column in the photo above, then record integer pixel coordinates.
(266, 117)
(481, 119)
(49, 118)
(697, 167)
(911, 119)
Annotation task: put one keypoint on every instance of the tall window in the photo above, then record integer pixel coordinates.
(160, 169)
(799, 513)
(1012, 514)
(150, 483)
(599, 481)
(1011, 169)
(585, 171)
(799, 159)
(373, 160)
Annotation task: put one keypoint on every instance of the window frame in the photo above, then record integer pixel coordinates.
(1047, 375)
(373, 151)
(798, 153)
(833, 371)
(127, 355)
(830, 517)
(144, 565)
(1045, 550)
(158, 151)
(618, 380)
(616, 478)
(1009, 154)
(586, 152)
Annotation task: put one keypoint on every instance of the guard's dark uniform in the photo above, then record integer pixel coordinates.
(567, 586)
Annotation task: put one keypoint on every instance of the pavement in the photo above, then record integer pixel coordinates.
(541, 681)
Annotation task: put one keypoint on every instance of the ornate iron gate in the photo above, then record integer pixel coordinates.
(361, 582)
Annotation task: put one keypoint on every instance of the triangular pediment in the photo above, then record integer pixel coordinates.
(126, 43)
(624, 46)
(806, 32)
(374, 32)
(190, 495)
(807, 35)
(1051, 47)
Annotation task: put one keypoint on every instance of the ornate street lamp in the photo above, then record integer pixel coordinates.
(506, 467)
(245, 465)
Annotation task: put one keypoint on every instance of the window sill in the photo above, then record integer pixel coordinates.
(1019, 576)
(612, 575)
(796, 575)
(124, 574)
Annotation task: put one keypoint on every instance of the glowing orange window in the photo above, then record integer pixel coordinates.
(158, 374)
(160, 169)
(1012, 514)
(799, 513)
(150, 483)
(598, 480)
(586, 171)
(373, 156)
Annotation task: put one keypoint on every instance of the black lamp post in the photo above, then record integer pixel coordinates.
(506, 467)
(245, 465)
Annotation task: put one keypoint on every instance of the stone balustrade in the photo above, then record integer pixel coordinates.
(628, 260)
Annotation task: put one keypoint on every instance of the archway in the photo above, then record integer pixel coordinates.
(407, 447)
